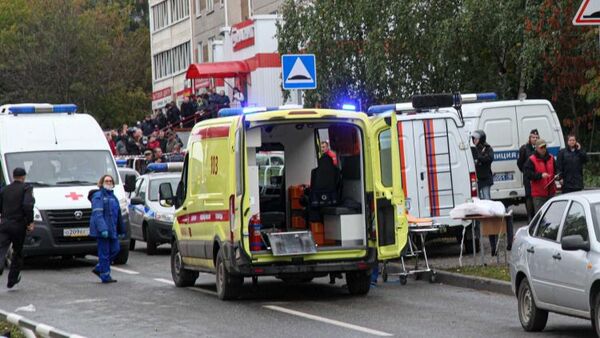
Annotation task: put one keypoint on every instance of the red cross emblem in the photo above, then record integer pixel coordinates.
(74, 196)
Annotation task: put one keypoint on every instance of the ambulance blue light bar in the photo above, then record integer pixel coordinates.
(40, 108)
(164, 167)
(225, 112)
(408, 106)
(349, 106)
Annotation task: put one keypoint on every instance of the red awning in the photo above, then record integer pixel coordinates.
(217, 70)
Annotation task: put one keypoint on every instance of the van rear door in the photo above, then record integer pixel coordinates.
(441, 167)
(502, 133)
(391, 228)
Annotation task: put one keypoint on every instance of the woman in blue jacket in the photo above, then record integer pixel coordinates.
(106, 225)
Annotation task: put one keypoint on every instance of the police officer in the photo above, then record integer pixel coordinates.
(16, 206)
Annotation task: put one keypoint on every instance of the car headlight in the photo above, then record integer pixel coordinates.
(37, 215)
(124, 206)
(164, 217)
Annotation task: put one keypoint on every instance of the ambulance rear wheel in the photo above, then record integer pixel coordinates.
(181, 276)
(359, 282)
(228, 286)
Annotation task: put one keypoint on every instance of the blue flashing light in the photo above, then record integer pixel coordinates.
(34, 109)
(380, 109)
(486, 96)
(225, 112)
(64, 108)
(22, 110)
(121, 163)
(349, 106)
(157, 167)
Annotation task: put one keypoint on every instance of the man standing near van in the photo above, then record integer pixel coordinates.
(483, 155)
(570, 162)
(540, 169)
(326, 151)
(16, 206)
(525, 152)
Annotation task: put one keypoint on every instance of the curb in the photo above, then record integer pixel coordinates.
(34, 329)
(472, 282)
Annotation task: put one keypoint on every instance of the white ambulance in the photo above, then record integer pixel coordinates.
(64, 154)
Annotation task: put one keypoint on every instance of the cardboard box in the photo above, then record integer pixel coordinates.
(495, 225)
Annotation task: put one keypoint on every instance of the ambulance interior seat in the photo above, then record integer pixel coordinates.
(324, 184)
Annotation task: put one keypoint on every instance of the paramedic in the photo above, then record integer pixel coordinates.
(483, 155)
(569, 164)
(16, 206)
(325, 150)
(525, 152)
(540, 169)
(106, 225)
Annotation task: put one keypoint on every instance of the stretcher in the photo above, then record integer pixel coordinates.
(418, 229)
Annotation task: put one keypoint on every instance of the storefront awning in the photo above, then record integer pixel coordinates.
(217, 70)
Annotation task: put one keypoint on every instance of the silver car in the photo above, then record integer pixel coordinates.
(555, 264)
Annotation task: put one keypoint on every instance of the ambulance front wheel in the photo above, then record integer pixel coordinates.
(359, 282)
(228, 286)
(181, 276)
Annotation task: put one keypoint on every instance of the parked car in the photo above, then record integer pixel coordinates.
(555, 265)
(150, 221)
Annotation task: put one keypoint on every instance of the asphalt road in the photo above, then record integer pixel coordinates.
(144, 303)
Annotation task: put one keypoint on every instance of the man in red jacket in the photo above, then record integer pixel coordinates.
(325, 150)
(540, 169)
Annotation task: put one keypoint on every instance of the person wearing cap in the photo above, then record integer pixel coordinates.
(148, 158)
(525, 152)
(540, 169)
(16, 208)
(569, 163)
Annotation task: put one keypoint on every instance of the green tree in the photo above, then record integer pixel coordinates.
(78, 51)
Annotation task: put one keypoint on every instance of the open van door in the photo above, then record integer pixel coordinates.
(391, 225)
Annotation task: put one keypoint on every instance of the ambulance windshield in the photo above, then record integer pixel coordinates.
(63, 168)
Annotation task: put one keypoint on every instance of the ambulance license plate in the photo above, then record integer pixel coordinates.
(501, 177)
(76, 232)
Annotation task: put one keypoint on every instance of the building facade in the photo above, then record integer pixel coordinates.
(184, 32)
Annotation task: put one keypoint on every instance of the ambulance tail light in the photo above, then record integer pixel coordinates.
(231, 218)
(473, 178)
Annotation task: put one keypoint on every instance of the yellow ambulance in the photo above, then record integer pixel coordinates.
(333, 206)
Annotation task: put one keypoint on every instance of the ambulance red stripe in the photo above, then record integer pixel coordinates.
(203, 217)
(434, 204)
(213, 132)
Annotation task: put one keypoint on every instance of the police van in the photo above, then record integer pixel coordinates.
(507, 125)
(325, 219)
(64, 154)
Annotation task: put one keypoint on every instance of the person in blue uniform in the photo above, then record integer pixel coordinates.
(106, 225)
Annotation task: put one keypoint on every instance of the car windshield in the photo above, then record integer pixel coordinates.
(63, 168)
(596, 217)
(155, 184)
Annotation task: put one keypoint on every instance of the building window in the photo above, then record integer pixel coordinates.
(205, 53)
(172, 61)
(210, 6)
(200, 53)
(160, 16)
(179, 9)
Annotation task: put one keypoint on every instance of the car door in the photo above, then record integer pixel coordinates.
(136, 212)
(392, 228)
(572, 270)
(542, 246)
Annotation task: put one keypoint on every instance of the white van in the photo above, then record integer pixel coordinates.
(507, 125)
(64, 154)
(438, 171)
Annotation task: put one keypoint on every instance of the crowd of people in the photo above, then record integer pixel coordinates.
(155, 133)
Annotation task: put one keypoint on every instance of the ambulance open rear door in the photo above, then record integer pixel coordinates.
(391, 227)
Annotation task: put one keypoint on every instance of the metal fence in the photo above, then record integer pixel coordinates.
(33, 329)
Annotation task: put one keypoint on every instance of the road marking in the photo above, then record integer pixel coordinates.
(129, 272)
(208, 292)
(328, 321)
(165, 281)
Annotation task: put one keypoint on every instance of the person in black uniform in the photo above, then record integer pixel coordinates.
(16, 207)
(525, 152)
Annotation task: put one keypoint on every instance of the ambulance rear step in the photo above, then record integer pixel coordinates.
(292, 243)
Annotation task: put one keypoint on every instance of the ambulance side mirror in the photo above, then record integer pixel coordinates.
(129, 183)
(165, 193)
